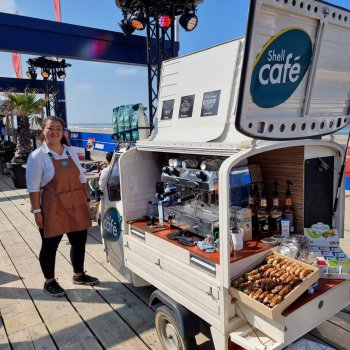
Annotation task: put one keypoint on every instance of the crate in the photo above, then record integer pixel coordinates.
(275, 312)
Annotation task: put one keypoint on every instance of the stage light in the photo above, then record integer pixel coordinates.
(188, 21)
(164, 20)
(45, 73)
(126, 27)
(61, 74)
(31, 74)
(137, 20)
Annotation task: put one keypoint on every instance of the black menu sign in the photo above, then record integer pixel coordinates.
(210, 103)
(167, 109)
(186, 106)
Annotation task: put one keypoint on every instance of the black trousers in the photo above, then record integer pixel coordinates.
(47, 256)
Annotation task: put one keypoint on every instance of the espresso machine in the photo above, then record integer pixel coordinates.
(189, 192)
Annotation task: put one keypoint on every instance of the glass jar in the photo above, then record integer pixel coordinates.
(289, 247)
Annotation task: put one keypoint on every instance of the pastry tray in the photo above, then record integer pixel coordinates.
(275, 312)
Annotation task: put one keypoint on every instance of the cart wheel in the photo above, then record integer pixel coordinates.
(168, 332)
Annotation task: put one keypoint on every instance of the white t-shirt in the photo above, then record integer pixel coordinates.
(103, 177)
(40, 169)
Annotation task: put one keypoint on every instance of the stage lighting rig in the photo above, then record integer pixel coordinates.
(61, 74)
(138, 20)
(31, 73)
(188, 21)
(165, 20)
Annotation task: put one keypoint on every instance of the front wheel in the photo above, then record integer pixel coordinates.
(168, 332)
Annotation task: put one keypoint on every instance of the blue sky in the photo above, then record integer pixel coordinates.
(94, 89)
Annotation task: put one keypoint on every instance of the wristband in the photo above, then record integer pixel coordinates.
(36, 211)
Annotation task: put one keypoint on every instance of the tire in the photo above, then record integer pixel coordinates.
(168, 332)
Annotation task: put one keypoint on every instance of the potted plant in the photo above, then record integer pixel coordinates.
(25, 106)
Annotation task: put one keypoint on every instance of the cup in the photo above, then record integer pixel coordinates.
(237, 239)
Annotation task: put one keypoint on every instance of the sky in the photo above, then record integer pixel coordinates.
(93, 89)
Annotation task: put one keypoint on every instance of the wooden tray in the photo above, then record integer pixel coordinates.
(275, 312)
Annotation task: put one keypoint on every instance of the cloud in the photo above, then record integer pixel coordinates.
(126, 71)
(8, 6)
(84, 86)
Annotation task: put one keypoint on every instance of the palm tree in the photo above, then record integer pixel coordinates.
(23, 105)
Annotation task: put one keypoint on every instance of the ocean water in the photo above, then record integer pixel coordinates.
(344, 131)
(90, 125)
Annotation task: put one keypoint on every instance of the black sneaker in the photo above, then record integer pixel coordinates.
(85, 279)
(54, 289)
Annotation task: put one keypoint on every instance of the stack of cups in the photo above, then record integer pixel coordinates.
(237, 238)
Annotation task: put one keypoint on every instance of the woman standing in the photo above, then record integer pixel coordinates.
(58, 195)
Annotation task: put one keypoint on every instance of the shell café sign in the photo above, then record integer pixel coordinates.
(280, 67)
(111, 225)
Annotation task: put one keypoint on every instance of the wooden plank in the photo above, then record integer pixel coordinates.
(342, 319)
(4, 342)
(65, 325)
(32, 338)
(333, 335)
(90, 306)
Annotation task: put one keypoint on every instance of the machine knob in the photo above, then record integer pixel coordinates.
(167, 170)
(175, 172)
(202, 176)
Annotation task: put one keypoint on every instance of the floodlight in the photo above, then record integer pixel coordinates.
(137, 20)
(45, 73)
(61, 74)
(126, 27)
(31, 74)
(188, 21)
(164, 20)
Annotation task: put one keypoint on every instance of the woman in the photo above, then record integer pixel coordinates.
(58, 195)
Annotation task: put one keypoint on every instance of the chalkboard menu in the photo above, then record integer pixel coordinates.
(210, 103)
(167, 109)
(186, 106)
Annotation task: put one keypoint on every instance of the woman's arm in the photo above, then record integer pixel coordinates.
(35, 202)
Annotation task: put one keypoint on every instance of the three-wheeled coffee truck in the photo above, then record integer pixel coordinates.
(247, 113)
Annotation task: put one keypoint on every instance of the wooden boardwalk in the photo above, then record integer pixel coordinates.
(111, 315)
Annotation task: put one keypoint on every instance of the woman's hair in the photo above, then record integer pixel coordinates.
(41, 137)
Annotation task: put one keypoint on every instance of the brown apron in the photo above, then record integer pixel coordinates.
(63, 201)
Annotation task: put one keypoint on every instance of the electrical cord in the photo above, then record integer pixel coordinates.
(253, 328)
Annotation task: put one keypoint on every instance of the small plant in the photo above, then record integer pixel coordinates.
(25, 106)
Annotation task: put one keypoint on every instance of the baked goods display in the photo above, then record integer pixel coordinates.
(270, 282)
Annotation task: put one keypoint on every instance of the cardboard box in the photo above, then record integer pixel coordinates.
(244, 221)
(275, 312)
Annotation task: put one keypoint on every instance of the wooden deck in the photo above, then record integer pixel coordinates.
(111, 315)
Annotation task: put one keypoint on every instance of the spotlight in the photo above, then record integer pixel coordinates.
(31, 74)
(61, 74)
(45, 73)
(164, 20)
(137, 20)
(188, 21)
(126, 27)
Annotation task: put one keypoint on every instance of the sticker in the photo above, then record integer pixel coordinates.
(280, 67)
(210, 103)
(167, 109)
(186, 106)
(64, 163)
(111, 225)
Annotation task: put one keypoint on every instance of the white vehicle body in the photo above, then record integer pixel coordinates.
(282, 135)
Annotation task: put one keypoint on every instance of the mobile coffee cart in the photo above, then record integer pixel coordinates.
(246, 112)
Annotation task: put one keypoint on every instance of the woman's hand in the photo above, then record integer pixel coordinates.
(39, 220)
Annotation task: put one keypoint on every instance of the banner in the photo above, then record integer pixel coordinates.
(57, 10)
(16, 61)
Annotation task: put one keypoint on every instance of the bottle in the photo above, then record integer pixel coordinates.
(288, 211)
(256, 195)
(150, 211)
(263, 215)
(275, 213)
(254, 212)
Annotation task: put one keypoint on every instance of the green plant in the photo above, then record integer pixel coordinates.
(24, 105)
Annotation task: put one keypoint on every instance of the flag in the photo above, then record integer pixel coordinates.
(57, 10)
(16, 61)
